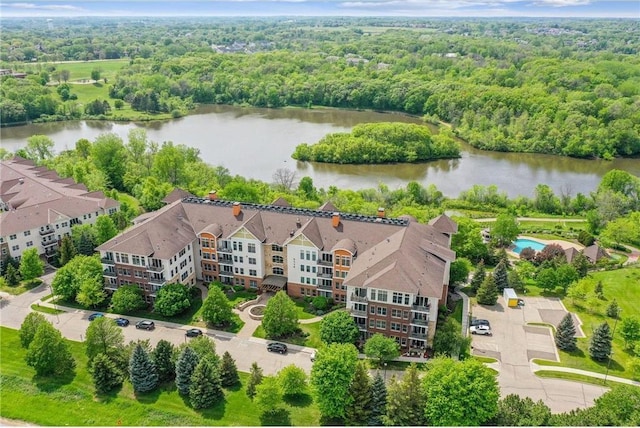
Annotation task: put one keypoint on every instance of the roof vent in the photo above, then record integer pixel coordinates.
(21, 180)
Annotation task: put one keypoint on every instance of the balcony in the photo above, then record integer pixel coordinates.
(325, 275)
(324, 263)
(155, 268)
(110, 273)
(362, 327)
(419, 336)
(324, 287)
(420, 308)
(46, 232)
(359, 299)
(357, 313)
(417, 321)
(107, 261)
(224, 250)
(49, 243)
(157, 282)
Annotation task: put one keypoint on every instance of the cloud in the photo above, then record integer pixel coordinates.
(33, 6)
(562, 3)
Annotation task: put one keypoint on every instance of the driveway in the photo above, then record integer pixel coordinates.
(514, 344)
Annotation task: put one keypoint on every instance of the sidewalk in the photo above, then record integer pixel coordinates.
(536, 367)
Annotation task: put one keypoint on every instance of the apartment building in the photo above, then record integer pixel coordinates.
(38, 207)
(390, 273)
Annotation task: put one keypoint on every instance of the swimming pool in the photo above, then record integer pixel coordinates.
(521, 244)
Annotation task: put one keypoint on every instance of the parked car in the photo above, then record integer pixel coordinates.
(95, 315)
(146, 325)
(277, 347)
(313, 356)
(481, 329)
(477, 321)
(193, 332)
(122, 322)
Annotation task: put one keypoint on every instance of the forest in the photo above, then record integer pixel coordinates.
(563, 87)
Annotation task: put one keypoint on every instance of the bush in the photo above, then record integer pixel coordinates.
(321, 303)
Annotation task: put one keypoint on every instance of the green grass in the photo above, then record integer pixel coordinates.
(313, 340)
(46, 309)
(575, 377)
(70, 400)
(484, 359)
(20, 288)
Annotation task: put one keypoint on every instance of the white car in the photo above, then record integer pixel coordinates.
(481, 329)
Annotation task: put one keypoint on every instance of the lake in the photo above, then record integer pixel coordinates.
(254, 143)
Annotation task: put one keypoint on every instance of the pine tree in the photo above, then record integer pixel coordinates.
(613, 310)
(599, 290)
(165, 366)
(67, 250)
(205, 387)
(378, 401)
(406, 400)
(600, 345)
(86, 245)
(478, 277)
(358, 413)
(187, 362)
(12, 276)
(255, 379)
(565, 334)
(500, 276)
(581, 263)
(105, 374)
(142, 371)
(228, 371)
(488, 292)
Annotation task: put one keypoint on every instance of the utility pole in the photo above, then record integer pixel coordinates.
(613, 335)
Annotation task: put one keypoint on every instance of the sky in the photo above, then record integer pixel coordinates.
(414, 8)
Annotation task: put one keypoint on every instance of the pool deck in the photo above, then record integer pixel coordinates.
(564, 244)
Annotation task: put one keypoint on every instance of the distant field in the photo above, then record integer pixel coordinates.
(82, 70)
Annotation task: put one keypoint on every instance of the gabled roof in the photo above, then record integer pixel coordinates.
(444, 224)
(176, 194)
(346, 244)
(312, 232)
(213, 229)
(281, 202)
(594, 253)
(256, 227)
(328, 206)
(570, 253)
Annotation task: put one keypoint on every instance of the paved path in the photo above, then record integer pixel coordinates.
(536, 368)
(544, 219)
(465, 311)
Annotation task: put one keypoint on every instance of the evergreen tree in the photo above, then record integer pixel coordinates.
(86, 245)
(12, 276)
(105, 374)
(255, 378)
(600, 345)
(187, 362)
(67, 250)
(599, 290)
(228, 371)
(613, 310)
(358, 413)
(478, 277)
(488, 292)
(515, 281)
(406, 400)
(500, 276)
(142, 371)
(565, 334)
(8, 261)
(162, 358)
(378, 401)
(205, 389)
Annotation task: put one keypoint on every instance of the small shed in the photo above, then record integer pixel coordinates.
(510, 297)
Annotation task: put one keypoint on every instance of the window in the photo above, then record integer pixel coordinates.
(251, 248)
(405, 315)
(381, 325)
(372, 309)
(12, 237)
(182, 252)
(404, 328)
(277, 259)
(346, 261)
(206, 256)
(30, 244)
(382, 295)
(301, 268)
(135, 260)
(396, 313)
(235, 259)
(278, 271)
(382, 311)
(27, 232)
(301, 254)
(395, 326)
(124, 258)
(372, 323)
(253, 272)
(205, 242)
(313, 256)
(253, 284)
(252, 261)
(15, 248)
(276, 247)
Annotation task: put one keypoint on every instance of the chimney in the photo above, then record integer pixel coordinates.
(335, 219)
(237, 208)
(213, 195)
(381, 212)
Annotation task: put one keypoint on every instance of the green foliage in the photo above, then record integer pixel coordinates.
(106, 375)
(48, 353)
(127, 299)
(228, 371)
(566, 275)
(268, 396)
(162, 359)
(500, 275)
(516, 411)
(255, 378)
(29, 327)
(406, 400)
(67, 250)
(81, 270)
(338, 327)
(142, 371)
(585, 238)
(103, 336)
(613, 310)
(31, 266)
(505, 230)
(599, 290)
(280, 316)
(84, 238)
(565, 334)
(12, 276)
(105, 229)
(459, 393)
(91, 293)
(293, 380)
(381, 348)
(172, 299)
(378, 401)
(359, 411)
(331, 376)
(320, 302)
(630, 331)
(581, 264)
(460, 269)
(478, 277)
(39, 148)
(216, 308)
(547, 278)
(185, 366)
(488, 292)
(515, 281)
(205, 389)
(110, 157)
(204, 347)
(448, 339)
(600, 344)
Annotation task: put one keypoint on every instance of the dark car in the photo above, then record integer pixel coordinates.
(277, 347)
(122, 322)
(193, 332)
(476, 322)
(96, 315)
(146, 325)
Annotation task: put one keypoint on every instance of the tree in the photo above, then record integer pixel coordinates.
(600, 344)
(126, 299)
(105, 229)
(91, 293)
(338, 327)
(359, 411)
(331, 375)
(110, 156)
(29, 327)
(516, 411)
(95, 74)
(378, 401)
(630, 331)
(478, 276)
(228, 371)
(67, 250)
(381, 348)
(505, 230)
(103, 336)
(280, 316)
(488, 292)
(552, 253)
(459, 393)
(69, 278)
(106, 375)
(31, 266)
(565, 334)
(84, 238)
(500, 276)
(48, 352)
(255, 377)
(566, 275)
(39, 148)
(547, 279)
(515, 281)
(12, 276)
(599, 290)
(162, 358)
(406, 400)
(171, 300)
(187, 362)
(284, 178)
(142, 371)
(293, 380)
(216, 308)
(205, 389)
(613, 310)
(448, 340)
(468, 241)
(65, 75)
(268, 395)
(459, 272)
(204, 347)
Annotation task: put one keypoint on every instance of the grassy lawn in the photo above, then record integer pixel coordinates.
(20, 288)
(302, 315)
(46, 309)
(575, 377)
(313, 340)
(39, 400)
(484, 359)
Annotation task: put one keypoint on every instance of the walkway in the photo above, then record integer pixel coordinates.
(536, 368)
(466, 311)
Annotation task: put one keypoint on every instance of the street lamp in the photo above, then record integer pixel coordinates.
(385, 372)
(613, 335)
